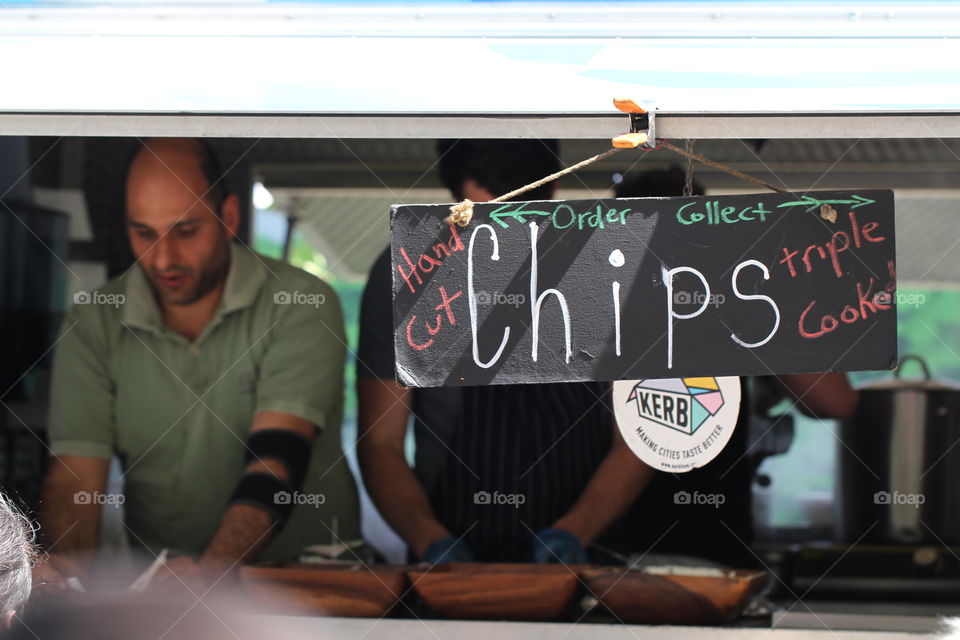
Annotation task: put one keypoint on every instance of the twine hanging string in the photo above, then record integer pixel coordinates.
(721, 167)
(462, 212)
(688, 170)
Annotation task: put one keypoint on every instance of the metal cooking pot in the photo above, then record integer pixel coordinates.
(899, 463)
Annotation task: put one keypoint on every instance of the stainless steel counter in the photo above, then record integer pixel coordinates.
(291, 627)
(913, 617)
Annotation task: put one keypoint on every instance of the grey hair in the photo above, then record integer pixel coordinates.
(17, 556)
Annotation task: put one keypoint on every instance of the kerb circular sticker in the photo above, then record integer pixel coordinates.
(677, 424)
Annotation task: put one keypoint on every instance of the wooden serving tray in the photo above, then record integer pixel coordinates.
(333, 590)
(638, 597)
(476, 591)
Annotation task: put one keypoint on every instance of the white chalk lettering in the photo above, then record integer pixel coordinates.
(537, 299)
(472, 299)
(667, 276)
(767, 299)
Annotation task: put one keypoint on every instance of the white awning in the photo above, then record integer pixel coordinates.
(502, 69)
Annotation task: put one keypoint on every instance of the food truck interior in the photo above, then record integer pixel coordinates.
(323, 206)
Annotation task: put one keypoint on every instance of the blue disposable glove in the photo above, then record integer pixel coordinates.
(557, 546)
(448, 550)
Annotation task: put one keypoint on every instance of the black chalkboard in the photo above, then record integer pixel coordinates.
(790, 290)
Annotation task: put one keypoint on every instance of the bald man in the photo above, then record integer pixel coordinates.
(214, 374)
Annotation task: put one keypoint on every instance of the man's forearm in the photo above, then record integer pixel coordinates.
(247, 526)
(245, 530)
(69, 512)
(68, 528)
(822, 395)
(243, 534)
(613, 488)
(384, 409)
(400, 497)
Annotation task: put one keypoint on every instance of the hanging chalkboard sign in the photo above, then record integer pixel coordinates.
(645, 288)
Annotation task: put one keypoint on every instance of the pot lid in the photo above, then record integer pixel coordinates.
(925, 383)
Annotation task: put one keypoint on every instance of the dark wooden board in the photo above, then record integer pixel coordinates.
(829, 294)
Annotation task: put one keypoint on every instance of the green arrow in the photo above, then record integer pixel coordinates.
(517, 214)
(813, 203)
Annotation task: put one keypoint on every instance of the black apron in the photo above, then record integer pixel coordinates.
(519, 458)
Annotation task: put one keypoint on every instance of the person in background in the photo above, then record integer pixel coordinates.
(662, 523)
(553, 450)
(216, 376)
(17, 557)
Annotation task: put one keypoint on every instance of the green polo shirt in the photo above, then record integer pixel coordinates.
(177, 413)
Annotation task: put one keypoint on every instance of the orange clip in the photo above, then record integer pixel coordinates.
(641, 126)
(627, 105)
(629, 140)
